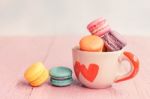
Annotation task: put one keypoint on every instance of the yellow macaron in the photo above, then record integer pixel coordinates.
(91, 43)
(36, 74)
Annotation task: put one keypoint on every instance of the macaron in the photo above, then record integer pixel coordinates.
(60, 76)
(114, 41)
(36, 74)
(99, 27)
(91, 43)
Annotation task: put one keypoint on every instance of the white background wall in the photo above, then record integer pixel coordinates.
(70, 17)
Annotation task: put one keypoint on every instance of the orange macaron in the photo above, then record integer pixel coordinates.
(91, 43)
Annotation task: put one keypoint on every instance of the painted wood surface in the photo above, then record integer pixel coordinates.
(17, 53)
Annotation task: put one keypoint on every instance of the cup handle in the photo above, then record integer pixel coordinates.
(134, 64)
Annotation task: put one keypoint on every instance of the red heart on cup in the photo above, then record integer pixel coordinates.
(90, 73)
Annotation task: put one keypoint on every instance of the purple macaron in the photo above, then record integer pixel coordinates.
(113, 41)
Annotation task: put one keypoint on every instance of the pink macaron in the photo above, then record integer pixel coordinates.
(98, 27)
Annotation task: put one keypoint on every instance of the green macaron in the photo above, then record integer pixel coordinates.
(60, 76)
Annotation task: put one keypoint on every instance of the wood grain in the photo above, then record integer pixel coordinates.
(17, 53)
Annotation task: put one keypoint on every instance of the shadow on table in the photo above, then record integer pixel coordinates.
(86, 91)
(22, 83)
(74, 90)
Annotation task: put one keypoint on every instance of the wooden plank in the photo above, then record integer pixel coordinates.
(142, 82)
(16, 54)
(138, 88)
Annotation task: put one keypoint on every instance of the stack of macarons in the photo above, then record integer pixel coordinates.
(103, 38)
(37, 74)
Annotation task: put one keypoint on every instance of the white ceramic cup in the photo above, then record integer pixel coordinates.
(100, 69)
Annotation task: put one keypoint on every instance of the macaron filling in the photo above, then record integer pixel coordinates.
(99, 28)
(61, 78)
(64, 82)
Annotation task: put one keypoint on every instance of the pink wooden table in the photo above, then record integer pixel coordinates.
(17, 53)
